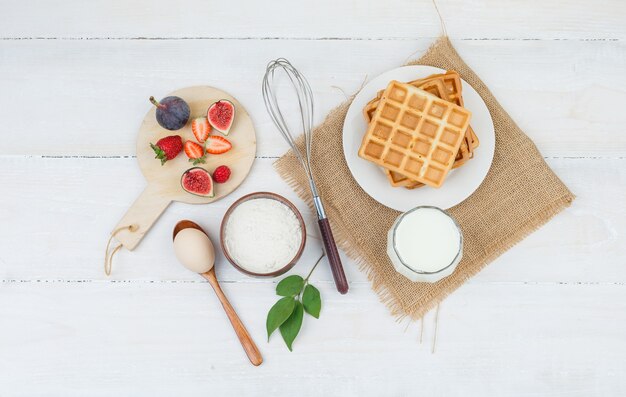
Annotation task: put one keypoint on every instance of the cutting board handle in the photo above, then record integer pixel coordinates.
(141, 215)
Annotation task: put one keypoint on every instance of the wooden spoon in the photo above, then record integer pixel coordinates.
(244, 337)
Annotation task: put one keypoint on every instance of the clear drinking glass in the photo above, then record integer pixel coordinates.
(411, 270)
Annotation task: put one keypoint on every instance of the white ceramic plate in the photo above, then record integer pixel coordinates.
(460, 182)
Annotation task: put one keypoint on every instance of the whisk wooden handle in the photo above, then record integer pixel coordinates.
(333, 256)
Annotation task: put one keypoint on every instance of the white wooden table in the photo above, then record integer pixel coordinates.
(547, 318)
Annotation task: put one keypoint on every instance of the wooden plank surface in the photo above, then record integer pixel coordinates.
(84, 198)
(571, 19)
(547, 318)
(137, 338)
(553, 89)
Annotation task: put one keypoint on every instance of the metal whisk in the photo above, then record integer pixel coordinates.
(305, 102)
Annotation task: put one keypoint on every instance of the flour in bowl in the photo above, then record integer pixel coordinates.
(262, 235)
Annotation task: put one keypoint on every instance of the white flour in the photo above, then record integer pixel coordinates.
(262, 235)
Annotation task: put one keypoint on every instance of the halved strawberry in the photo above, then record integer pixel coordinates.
(201, 128)
(195, 152)
(217, 145)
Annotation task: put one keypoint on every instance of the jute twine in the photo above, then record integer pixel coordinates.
(519, 194)
(108, 254)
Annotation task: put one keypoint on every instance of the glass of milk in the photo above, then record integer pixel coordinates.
(425, 244)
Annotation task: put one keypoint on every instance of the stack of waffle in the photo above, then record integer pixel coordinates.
(418, 131)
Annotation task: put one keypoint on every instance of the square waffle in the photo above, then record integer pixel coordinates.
(452, 91)
(436, 88)
(415, 134)
(434, 85)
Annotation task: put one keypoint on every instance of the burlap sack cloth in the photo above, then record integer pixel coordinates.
(519, 194)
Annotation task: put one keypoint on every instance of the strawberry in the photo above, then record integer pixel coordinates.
(201, 128)
(167, 148)
(195, 152)
(221, 174)
(217, 145)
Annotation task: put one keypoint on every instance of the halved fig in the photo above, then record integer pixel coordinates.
(221, 115)
(197, 181)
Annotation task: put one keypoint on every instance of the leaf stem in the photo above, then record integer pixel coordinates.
(314, 266)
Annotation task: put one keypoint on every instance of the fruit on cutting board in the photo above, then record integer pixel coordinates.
(201, 128)
(195, 152)
(221, 115)
(217, 145)
(197, 181)
(172, 112)
(167, 148)
(221, 174)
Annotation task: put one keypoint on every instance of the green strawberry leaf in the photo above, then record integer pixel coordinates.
(290, 328)
(278, 314)
(160, 153)
(198, 160)
(312, 301)
(290, 286)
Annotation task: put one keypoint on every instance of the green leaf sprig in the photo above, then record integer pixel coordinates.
(299, 296)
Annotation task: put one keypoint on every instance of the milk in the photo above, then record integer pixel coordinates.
(425, 244)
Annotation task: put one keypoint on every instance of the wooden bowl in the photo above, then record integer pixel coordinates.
(266, 195)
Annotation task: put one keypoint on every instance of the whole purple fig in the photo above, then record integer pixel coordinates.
(172, 112)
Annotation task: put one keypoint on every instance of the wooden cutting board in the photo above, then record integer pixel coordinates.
(164, 180)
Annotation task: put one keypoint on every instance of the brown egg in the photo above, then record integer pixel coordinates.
(194, 250)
